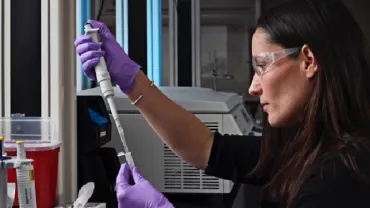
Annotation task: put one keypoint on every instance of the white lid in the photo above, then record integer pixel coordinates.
(11, 146)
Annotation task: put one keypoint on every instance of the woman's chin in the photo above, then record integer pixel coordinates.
(277, 121)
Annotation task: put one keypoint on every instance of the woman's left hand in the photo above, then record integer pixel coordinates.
(133, 190)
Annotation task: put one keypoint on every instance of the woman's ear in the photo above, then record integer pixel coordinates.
(310, 63)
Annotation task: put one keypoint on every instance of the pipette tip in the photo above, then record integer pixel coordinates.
(130, 160)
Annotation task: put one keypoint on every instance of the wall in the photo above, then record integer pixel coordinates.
(224, 31)
(233, 15)
(226, 18)
(26, 57)
(230, 45)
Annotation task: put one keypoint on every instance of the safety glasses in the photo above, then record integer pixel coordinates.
(263, 61)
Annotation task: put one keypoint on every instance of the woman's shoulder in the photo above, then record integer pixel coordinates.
(342, 179)
(349, 161)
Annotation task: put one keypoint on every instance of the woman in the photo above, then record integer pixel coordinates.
(313, 78)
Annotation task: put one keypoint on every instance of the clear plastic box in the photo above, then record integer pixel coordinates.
(37, 133)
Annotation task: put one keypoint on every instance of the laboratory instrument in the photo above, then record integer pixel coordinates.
(104, 80)
(18, 163)
(25, 179)
(223, 112)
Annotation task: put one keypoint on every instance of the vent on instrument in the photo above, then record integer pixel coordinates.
(212, 125)
(180, 176)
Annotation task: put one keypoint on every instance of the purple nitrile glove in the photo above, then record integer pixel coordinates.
(121, 68)
(133, 190)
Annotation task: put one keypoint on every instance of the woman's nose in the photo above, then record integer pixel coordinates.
(255, 89)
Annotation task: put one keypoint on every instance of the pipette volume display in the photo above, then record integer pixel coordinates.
(104, 80)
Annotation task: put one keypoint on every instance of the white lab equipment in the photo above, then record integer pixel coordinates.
(18, 163)
(11, 194)
(223, 112)
(84, 195)
(25, 179)
(104, 80)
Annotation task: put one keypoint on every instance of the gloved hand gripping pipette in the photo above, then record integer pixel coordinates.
(104, 80)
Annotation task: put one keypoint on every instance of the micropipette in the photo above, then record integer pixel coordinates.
(104, 80)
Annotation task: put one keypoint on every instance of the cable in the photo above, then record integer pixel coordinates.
(100, 10)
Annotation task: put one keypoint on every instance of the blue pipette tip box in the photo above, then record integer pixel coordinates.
(98, 120)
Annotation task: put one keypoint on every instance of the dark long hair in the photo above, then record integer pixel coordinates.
(338, 110)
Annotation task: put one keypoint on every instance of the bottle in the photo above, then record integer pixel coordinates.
(25, 180)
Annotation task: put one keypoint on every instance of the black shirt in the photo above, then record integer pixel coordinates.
(331, 185)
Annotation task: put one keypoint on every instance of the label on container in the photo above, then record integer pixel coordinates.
(31, 175)
(26, 194)
(26, 186)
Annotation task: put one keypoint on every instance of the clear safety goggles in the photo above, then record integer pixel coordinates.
(263, 61)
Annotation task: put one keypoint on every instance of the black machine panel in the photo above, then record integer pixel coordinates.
(96, 163)
(92, 122)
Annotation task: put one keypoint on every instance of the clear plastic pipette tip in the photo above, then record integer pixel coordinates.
(127, 153)
(121, 133)
(123, 140)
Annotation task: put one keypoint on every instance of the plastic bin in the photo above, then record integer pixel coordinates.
(41, 146)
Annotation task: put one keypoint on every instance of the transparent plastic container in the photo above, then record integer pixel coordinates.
(37, 133)
(41, 146)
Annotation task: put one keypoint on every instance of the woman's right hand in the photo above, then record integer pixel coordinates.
(121, 68)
